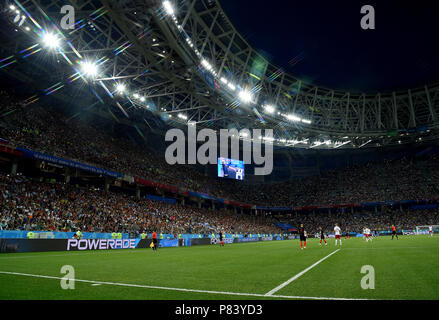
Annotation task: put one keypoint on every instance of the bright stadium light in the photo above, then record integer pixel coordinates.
(136, 96)
(292, 117)
(89, 69)
(206, 64)
(12, 7)
(231, 86)
(182, 116)
(245, 96)
(50, 40)
(270, 109)
(168, 7)
(142, 99)
(120, 88)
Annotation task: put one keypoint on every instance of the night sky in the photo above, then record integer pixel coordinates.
(322, 42)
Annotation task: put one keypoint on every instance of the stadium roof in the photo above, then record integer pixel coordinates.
(166, 63)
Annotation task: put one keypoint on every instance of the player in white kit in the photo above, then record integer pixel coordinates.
(430, 231)
(367, 234)
(337, 232)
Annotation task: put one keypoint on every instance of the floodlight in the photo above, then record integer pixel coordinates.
(50, 40)
(292, 117)
(168, 7)
(136, 96)
(206, 64)
(270, 109)
(245, 96)
(120, 88)
(142, 99)
(89, 69)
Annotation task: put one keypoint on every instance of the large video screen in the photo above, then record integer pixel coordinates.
(230, 168)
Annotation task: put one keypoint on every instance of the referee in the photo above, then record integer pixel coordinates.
(154, 241)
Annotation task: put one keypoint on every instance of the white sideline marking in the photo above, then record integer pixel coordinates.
(270, 293)
(178, 289)
(73, 253)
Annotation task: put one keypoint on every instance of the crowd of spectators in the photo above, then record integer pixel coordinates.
(28, 204)
(395, 180)
(48, 130)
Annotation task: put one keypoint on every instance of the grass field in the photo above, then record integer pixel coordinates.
(407, 268)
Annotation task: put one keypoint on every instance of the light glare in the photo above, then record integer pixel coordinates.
(50, 40)
(270, 109)
(121, 88)
(245, 96)
(89, 69)
(168, 7)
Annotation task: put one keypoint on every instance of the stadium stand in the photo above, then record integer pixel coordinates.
(46, 129)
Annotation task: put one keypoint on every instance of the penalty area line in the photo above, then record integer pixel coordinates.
(271, 292)
(177, 289)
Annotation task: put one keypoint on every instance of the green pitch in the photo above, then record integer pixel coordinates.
(407, 268)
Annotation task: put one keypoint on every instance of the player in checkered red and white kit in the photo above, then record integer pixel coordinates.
(302, 234)
(337, 232)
